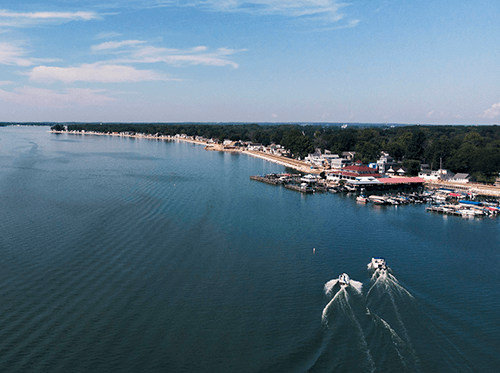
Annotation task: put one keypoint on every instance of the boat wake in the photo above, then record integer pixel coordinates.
(345, 346)
(398, 322)
(341, 289)
(382, 330)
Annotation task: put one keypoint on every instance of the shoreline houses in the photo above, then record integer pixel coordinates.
(384, 171)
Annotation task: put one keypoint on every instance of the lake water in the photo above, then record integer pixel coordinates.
(134, 255)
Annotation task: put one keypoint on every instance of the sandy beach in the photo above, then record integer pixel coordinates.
(287, 162)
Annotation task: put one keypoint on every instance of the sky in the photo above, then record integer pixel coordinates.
(359, 61)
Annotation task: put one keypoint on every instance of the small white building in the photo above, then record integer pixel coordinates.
(440, 174)
(461, 178)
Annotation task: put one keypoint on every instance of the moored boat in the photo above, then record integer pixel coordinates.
(362, 198)
(378, 200)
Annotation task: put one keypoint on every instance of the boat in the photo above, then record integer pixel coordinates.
(309, 178)
(392, 201)
(378, 263)
(349, 188)
(378, 200)
(344, 279)
(362, 198)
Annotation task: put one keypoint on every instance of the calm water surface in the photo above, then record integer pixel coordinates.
(127, 255)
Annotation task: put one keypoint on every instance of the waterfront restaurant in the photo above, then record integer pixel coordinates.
(352, 173)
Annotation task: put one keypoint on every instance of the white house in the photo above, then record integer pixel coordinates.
(440, 174)
(461, 178)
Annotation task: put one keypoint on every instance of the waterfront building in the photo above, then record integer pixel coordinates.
(353, 172)
(326, 160)
(441, 174)
(386, 162)
(461, 178)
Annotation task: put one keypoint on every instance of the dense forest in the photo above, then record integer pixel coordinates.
(468, 149)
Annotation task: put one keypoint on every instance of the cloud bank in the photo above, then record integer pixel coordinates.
(492, 112)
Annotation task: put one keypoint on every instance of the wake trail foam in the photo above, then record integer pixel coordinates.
(329, 289)
(343, 318)
(330, 285)
(356, 285)
(389, 287)
(331, 303)
(361, 335)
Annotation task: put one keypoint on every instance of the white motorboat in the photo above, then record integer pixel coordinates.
(362, 198)
(377, 263)
(344, 279)
(378, 200)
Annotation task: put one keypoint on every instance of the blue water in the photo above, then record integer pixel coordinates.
(128, 255)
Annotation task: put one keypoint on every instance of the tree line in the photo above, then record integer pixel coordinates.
(467, 149)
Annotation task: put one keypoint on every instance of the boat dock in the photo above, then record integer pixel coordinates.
(444, 201)
(267, 180)
(301, 189)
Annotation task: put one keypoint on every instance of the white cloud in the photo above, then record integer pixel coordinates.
(492, 112)
(40, 97)
(6, 82)
(15, 19)
(116, 45)
(100, 73)
(291, 8)
(134, 51)
(108, 35)
(429, 114)
(11, 54)
(352, 23)
(327, 11)
(194, 56)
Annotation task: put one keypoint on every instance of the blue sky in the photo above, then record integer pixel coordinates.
(250, 61)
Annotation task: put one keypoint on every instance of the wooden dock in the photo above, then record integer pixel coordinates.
(298, 188)
(267, 180)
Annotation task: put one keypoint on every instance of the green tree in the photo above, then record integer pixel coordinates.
(57, 127)
(412, 166)
(415, 148)
(297, 143)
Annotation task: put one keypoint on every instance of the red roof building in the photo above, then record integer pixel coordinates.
(402, 180)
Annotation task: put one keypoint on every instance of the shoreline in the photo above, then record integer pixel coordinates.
(480, 189)
(283, 161)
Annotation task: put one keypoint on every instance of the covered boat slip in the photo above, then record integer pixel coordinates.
(386, 183)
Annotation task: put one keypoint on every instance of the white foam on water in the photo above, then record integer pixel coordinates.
(330, 285)
(341, 299)
(377, 277)
(330, 304)
(356, 285)
(359, 330)
(398, 342)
